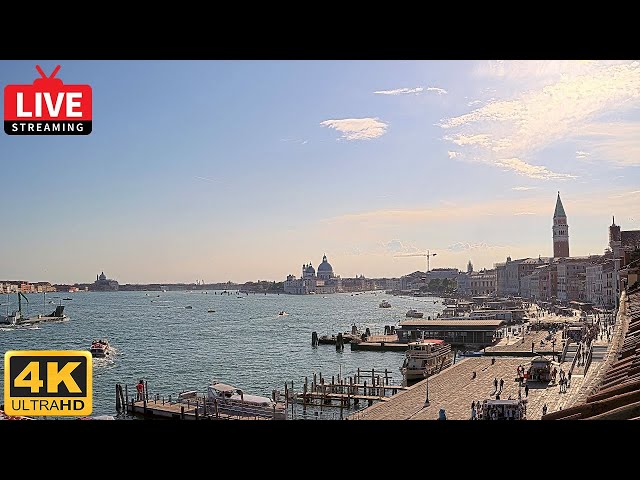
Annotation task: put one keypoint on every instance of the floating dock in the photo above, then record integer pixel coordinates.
(192, 408)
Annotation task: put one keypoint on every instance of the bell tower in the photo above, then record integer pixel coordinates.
(560, 231)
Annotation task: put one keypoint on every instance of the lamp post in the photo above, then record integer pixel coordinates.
(426, 400)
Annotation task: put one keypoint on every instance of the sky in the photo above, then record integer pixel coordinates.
(244, 170)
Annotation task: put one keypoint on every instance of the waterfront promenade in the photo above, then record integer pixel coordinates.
(455, 388)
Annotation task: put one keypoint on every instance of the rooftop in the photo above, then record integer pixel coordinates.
(445, 322)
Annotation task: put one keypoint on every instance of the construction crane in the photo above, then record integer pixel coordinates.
(428, 255)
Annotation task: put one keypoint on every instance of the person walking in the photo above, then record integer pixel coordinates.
(544, 409)
(501, 384)
(495, 384)
(526, 390)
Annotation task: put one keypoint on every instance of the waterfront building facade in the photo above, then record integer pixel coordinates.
(482, 282)
(602, 287)
(463, 281)
(322, 282)
(22, 286)
(571, 278)
(104, 284)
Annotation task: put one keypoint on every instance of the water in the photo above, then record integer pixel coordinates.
(244, 343)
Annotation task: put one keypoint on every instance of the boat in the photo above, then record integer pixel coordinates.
(233, 401)
(414, 313)
(470, 353)
(188, 307)
(100, 348)
(283, 314)
(5, 416)
(211, 311)
(17, 318)
(67, 298)
(424, 358)
(384, 304)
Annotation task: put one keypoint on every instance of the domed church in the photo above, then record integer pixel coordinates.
(325, 281)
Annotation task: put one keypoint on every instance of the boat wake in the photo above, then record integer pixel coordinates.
(19, 327)
(108, 360)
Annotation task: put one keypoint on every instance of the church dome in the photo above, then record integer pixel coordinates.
(310, 269)
(325, 266)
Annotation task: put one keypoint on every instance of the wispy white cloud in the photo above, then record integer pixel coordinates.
(474, 102)
(400, 91)
(397, 246)
(625, 194)
(617, 143)
(522, 189)
(589, 203)
(295, 140)
(532, 171)
(582, 154)
(206, 179)
(357, 128)
(466, 246)
(453, 154)
(409, 91)
(561, 99)
(439, 91)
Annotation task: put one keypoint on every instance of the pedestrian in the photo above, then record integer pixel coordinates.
(501, 384)
(569, 378)
(473, 411)
(140, 390)
(495, 384)
(526, 390)
(544, 409)
(532, 345)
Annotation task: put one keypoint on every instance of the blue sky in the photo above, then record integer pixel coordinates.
(244, 170)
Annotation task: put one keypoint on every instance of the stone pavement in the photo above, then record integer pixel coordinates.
(455, 388)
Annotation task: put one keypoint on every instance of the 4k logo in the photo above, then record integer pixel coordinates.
(48, 107)
(48, 382)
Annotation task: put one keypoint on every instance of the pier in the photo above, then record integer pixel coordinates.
(189, 407)
(343, 393)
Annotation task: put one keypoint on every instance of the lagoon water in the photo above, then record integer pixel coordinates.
(244, 343)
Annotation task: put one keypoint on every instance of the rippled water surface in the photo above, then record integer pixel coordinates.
(244, 342)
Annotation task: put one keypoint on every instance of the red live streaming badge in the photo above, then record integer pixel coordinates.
(48, 100)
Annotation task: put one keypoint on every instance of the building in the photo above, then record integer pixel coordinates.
(560, 231)
(482, 282)
(358, 284)
(602, 288)
(571, 280)
(104, 284)
(441, 274)
(465, 332)
(325, 281)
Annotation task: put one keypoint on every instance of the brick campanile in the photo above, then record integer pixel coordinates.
(560, 231)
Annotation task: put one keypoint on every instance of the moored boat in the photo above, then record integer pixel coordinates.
(413, 313)
(233, 401)
(425, 358)
(384, 304)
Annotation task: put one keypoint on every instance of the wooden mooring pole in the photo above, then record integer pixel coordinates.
(118, 405)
